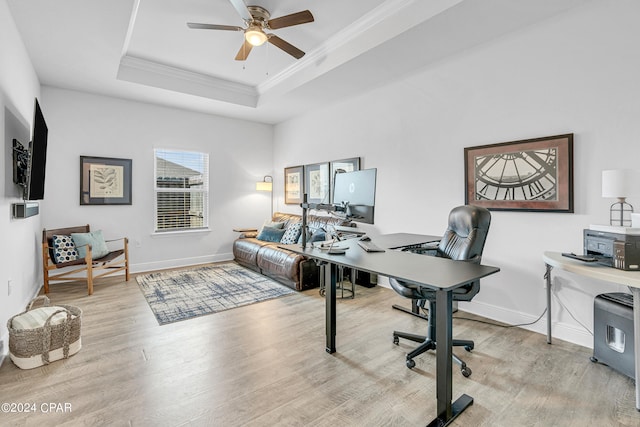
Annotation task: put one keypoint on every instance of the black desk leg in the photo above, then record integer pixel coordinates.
(330, 277)
(446, 411)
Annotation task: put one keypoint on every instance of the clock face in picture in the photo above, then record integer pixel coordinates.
(517, 176)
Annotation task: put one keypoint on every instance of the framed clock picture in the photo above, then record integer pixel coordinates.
(528, 175)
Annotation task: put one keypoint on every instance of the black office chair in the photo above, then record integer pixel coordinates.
(464, 240)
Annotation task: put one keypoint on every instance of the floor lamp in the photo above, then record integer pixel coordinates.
(265, 185)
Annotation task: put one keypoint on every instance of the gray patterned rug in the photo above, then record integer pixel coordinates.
(183, 294)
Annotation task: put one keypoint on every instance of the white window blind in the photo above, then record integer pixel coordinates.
(181, 190)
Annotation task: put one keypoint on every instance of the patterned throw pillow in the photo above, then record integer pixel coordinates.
(292, 233)
(64, 250)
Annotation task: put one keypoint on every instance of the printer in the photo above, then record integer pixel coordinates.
(617, 247)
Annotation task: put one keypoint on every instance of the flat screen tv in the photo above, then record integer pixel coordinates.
(30, 164)
(356, 191)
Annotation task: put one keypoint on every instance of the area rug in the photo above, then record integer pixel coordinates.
(187, 293)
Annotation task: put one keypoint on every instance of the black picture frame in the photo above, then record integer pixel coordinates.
(293, 184)
(317, 183)
(534, 175)
(344, 165)
(105, 181)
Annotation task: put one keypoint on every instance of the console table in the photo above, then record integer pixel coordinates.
(442, 274)
(608, 274)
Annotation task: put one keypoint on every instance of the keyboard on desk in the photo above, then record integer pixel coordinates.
(583, 258)
(368, 246)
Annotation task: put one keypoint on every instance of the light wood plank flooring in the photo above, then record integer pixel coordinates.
(265, 365)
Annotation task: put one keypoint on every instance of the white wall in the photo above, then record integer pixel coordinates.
(18, 87)
(240, 153)
(576, 73)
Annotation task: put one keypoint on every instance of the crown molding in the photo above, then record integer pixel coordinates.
(156, 74)
(386, 21)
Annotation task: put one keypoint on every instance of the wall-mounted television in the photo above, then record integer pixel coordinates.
(356, 191)
(29, 163)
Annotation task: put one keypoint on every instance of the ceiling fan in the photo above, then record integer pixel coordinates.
(257, 23)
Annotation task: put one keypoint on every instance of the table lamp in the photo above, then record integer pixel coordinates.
(265, 185)
(620, 184)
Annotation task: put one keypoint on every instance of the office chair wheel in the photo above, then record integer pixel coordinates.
(396, 340)
(468, 347)
(466, 371)
(410, 363)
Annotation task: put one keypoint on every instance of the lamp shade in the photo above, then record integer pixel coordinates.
(620, 183)
(264, 186)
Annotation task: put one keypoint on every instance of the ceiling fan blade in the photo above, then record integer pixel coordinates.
(286, 46)
(197, 26)
(242, 9)
(290, 20)
(244, 51)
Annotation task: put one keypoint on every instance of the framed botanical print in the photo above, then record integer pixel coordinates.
(316, 183)
(105, 181)
(528, 175)
(345, 165)
(293, 184)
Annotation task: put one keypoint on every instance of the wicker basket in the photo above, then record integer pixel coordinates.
(46, 342)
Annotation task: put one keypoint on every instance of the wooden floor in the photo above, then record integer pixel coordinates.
(265, 365)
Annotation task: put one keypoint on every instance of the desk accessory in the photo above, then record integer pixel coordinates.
(620, 184)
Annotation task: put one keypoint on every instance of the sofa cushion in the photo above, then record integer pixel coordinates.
(280, 263)
(246, 250)
(270, 234)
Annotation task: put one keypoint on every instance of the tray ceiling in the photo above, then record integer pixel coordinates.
(143, 49)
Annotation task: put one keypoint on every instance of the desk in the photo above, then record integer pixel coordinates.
(608, 274)
(442, 274)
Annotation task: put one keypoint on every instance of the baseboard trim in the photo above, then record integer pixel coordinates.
(560, 330)
(177, 263)
(2, 354)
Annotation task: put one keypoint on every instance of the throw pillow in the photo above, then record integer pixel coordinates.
(64, 250)
(292, 233)
(315, 235)
(270, 234)
(93, 238)
(318, 236)
(273, 224)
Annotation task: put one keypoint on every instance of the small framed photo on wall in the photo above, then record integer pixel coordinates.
(293, 184)
(105, 181)
(340, 166)
(316, 182)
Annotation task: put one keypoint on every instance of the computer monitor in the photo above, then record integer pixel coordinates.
(356, 191)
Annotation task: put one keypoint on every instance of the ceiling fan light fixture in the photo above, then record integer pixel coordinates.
(255, 36)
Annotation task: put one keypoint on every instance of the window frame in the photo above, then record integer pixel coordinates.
(204, 190)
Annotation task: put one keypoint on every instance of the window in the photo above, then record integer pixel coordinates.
(181, 189)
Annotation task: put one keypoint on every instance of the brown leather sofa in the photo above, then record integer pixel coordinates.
(288, 268)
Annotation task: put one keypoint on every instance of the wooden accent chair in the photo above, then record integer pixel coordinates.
(82, 268)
